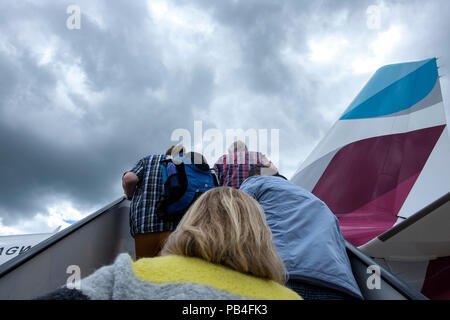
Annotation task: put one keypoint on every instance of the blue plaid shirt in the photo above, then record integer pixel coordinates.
(149, 190)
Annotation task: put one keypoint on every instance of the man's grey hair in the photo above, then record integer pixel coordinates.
(237, 146)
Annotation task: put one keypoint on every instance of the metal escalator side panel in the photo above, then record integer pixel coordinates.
(89, 244)
(391, 287)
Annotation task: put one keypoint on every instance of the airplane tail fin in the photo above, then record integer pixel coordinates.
(387, 155)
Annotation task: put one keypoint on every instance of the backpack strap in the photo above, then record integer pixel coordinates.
(163, 164)
(173, 185)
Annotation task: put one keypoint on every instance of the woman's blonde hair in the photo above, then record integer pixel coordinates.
(228, 227)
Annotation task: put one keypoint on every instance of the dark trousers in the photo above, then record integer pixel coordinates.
(312, 292)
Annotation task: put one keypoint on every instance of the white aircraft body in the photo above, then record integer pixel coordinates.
(14, 245)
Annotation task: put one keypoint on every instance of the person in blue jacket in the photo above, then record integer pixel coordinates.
(307, 237)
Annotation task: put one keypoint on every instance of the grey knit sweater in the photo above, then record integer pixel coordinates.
(170, 277)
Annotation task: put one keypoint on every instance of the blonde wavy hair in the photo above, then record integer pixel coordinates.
(228, 227)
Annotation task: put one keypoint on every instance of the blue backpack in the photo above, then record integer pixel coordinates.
(185, 179)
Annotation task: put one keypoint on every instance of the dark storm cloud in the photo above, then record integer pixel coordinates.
(263, 29)
(81, 158)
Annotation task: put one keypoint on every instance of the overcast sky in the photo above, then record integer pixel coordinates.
(78, 107)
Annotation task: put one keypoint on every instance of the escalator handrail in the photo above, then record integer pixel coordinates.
(386, 275)
(415, 217)
(14, 263)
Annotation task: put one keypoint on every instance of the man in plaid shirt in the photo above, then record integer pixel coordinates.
(143, 185)
(233, 168)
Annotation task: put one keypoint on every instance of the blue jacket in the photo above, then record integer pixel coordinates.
(306, 233)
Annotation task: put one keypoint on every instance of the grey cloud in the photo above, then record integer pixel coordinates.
(82, 158)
